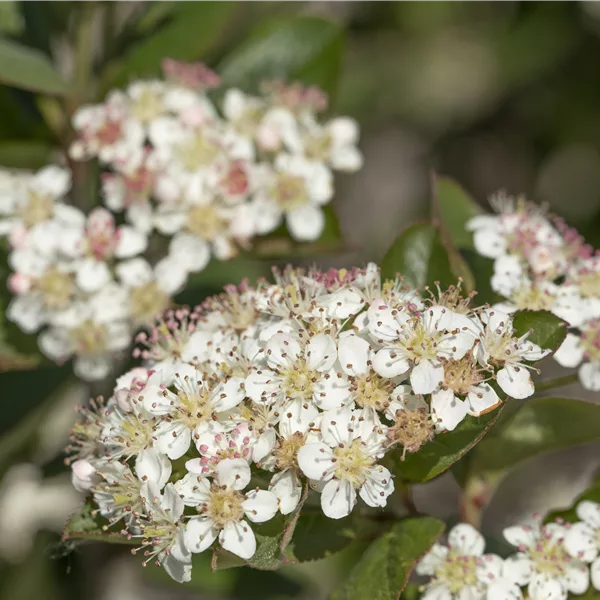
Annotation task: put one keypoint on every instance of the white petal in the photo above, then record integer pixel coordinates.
(426, 376)
(570, 353)
(589, 375)
(92, 275)
(200, 533)
(577, 577)
(260, 505)
(282, 350)
(378, 486)
(465, 539)
(263, 387)
(238, 539)
(595, 573)
(193, 489)
(331, 391)
(172, 439)
(503, 589)
(481, 398)
(315, 460)
(521, 535)
(306, 223)
(287, 488)
(489, 243)
(338, 499)
(388, 362)
(131, 242)
(233, 473)
(589, 512)
(193, 253)
(135, 272)
(518, 568)
(171, 275)
(354, 353)
(153, 466)
(580, 542)
(178, 563)
(321, 352)
(516, 381)
(297, 416)
(542, 587)
(172, 503)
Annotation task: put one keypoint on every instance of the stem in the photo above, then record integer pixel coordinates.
(549, 384)
(406, 495)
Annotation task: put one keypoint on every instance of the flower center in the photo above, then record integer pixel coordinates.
(462, 375)
(109, 133)
(37, 209)
(589, 285)
(289, 191)
(457, 571)
(134, 434)
(549, 556)
(318, 147)
(590, 339)
(56, 287)
(195, 407)
(90, 338)
(373, 391)
(147, 301)
(352, 463)
(147, 106)
(532, 297)
(205, 222)
(411, 429)
(197, 152)
(120, 497)
(225, 506)
(422, 343)
(298, 381)
(286, 454)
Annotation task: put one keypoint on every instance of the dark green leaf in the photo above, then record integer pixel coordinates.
(419, 255)
(446, 448)
(454, 207)
(307, 49)
(547, 330)
(191, 30)
(541, 425)
(411, 592)
(384, 569)
(24, 154)
(28, 69)
(85, 524)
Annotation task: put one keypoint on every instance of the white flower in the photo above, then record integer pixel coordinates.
(296, 188)
(583, 350)
(543, 563)
(499, 348)
(164, 532)
(346, 462)
(461, 570)
(224, 509)
(582, 540)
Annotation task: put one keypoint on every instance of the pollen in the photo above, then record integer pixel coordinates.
(224, 506)
(353, 463)
(411, 429)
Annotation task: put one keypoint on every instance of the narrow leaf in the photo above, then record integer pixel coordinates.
(383, 571)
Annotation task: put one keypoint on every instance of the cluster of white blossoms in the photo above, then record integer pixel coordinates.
(305, 383)
(175, 166)
(541, 264)
(552, 561)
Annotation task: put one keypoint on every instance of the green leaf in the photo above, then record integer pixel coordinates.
(384, 569)
(28, 69)
(306, 49)
(446, 448)
(24, 154)
(547, 330)
(419, 255)
(454, 207)
(192, 29)
(541, 425)
(411, 592)
(86, 524)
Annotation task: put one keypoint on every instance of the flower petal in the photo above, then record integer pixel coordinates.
(260, 505)
(200, 533)
(238, 539)
(233, 473)
(338, 499)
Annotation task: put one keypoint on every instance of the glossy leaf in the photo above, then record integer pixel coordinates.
(547, 330)
(447, 448)
(307, 49)
(383, 571)
(190, 31)
(419, 255)
(541, 425)
(29, 69)
(454, 207)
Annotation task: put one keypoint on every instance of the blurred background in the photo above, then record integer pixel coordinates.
(498, 95)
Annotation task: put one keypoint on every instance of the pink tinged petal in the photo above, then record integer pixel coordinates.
(589, 375)
(233, 473)
(260, 505)
(338, 499)
(282, 350)
(595, 573)
(542, 587)
(580, 542)
(503, 589)
(238, 539)
(378, 487)
(354, 354)
(388, 362)
(515, 381)
(83, 475)
(200, 533)
(426, 376)
(589, 512)
(288, 489)
(316, 461)
(306, 223)
(465, 539)
(193, 489)
(172, 439)
(577, 577)
(518, 568)
(321, 353)
(481, 398)
(154, 466)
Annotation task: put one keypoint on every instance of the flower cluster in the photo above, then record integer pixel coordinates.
(209, 181)
(305, 383)
(541, 264)
(552, 561)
